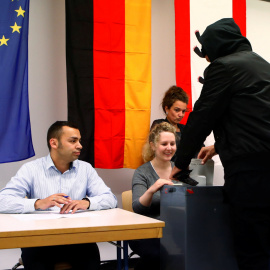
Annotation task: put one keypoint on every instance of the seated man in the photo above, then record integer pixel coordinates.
(58, 181)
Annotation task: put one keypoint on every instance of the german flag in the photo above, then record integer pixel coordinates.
(108, 47)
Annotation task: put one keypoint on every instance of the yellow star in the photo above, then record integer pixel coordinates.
(3, 40)
(16, 28)
(20, 12)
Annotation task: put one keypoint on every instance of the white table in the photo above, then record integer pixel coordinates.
(100, 226)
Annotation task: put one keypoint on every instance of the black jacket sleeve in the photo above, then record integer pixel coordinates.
(208, 110)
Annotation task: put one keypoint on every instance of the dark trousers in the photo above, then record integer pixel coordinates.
(81, 257)
(149, 252)
(248, 194)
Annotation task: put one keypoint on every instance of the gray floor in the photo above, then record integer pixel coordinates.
(9, 257)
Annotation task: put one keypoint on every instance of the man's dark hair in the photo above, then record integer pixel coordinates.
(55, 130)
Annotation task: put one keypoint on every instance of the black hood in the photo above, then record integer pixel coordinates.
(223, 38)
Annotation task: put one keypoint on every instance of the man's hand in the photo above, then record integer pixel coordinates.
(175, 170)
(53, 200)
(74, 206)
(207, 153)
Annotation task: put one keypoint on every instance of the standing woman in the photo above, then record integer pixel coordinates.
(146, 183)
(174, 105)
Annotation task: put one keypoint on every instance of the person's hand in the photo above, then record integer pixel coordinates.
(146, 198)
(53, 200)
(175, 170)
(159, 184)
(207, 153)
(74, 206)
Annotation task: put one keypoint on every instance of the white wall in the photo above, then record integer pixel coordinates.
(47, 74)
(47, 77)
(47, 87)
(48, 94)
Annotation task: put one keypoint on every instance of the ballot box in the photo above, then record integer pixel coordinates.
(202, 173)
(197, 234)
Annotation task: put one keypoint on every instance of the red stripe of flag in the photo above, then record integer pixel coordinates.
(239, 14)
(182, 49)
(109, 84)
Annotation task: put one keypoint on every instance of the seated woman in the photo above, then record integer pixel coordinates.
(146, 183)
(174, 105)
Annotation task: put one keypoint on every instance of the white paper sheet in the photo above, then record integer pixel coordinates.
(41, 215)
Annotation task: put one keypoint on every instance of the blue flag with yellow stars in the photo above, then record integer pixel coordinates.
(15, 130)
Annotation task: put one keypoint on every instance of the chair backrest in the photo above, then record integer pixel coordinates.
(127, 200)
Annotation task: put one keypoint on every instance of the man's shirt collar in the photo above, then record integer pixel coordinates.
(49, 164)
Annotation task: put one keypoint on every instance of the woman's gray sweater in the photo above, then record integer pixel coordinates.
(144, 177)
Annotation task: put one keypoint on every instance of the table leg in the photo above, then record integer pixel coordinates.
(119, 257)
(125, 255)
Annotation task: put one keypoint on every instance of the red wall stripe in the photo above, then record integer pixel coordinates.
(239, 15)
(109, 82)
(182, 49)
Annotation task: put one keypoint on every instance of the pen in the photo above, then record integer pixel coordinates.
(65, 196)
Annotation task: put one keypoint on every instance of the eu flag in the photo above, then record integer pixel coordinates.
(15, 130)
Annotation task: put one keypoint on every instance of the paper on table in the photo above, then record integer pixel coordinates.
(40, 215)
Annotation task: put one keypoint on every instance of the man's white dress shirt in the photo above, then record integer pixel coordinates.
(40, 179)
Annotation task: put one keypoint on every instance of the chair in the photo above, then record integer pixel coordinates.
(127, 205)
(127, 200)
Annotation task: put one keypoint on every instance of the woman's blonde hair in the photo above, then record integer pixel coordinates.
(148, 154)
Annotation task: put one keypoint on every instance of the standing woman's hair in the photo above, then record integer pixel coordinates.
(174, 93)
(154, 135)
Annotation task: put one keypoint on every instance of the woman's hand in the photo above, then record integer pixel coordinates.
(146, 198)
(159, 184)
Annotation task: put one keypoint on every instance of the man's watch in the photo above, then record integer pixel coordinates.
(86, 199)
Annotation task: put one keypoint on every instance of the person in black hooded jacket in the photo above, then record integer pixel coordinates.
(235, 105)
